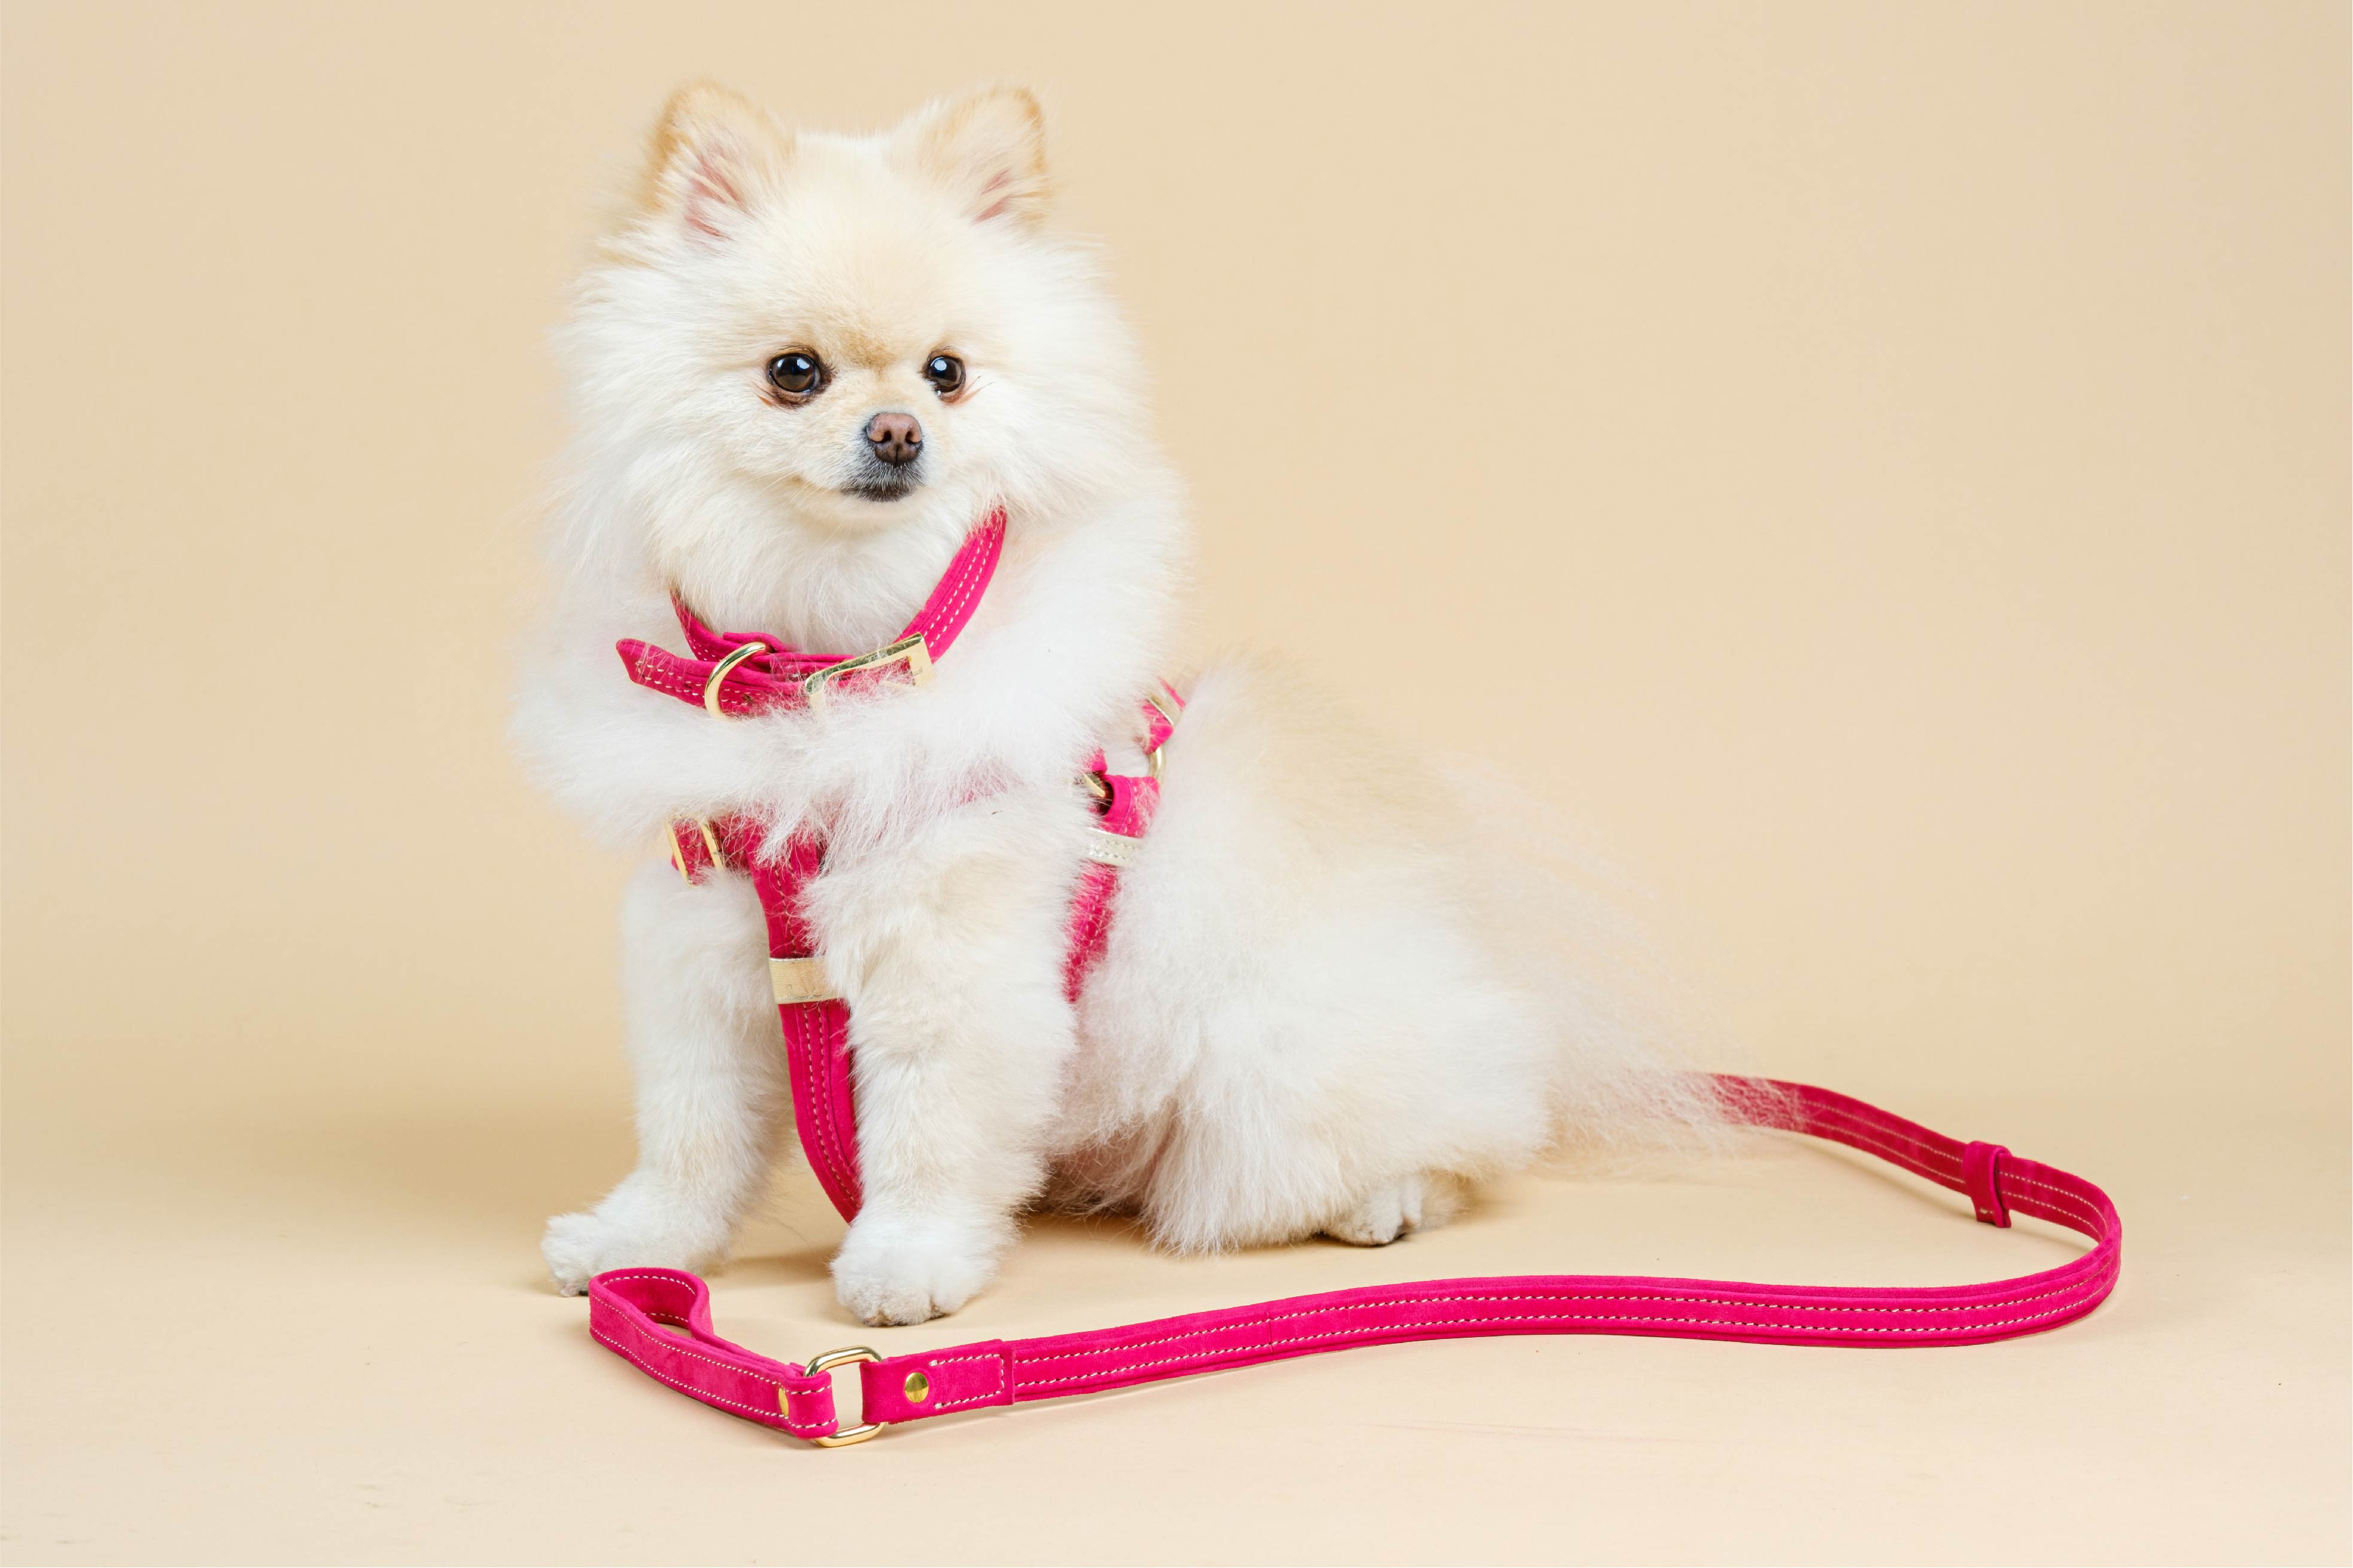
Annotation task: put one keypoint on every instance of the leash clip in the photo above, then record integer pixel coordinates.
(827, 1362)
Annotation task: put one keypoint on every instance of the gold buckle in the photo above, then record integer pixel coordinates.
(1152, 761)
(710, 842)
(721, 670)
(827, 1362)
(796, 980)
(911, 651)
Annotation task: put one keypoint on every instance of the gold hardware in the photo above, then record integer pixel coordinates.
(721, 670)
(1100, 787)
(827, 1362)
(800, 980)
(678, 851)
(911, 651)
(1152, 758)
(1110, 848)
(919, 1387)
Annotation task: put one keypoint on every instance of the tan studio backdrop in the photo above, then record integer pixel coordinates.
(1884, 467)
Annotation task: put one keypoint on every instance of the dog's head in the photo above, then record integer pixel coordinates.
(843, 336)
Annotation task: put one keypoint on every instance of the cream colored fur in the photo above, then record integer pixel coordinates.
(1338, 990)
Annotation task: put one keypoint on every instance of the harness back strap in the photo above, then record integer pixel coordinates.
(632, 1311)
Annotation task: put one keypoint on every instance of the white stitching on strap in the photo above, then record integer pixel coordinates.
(991, 1392)
(1918, 1154)
(820, 1103)
(1903, 1158)
(783, 1414)
(673, 1344)
(966, 588)
(1209, 1355)
(1535, 1296)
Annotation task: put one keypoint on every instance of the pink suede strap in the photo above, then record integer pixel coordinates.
(633, 1312)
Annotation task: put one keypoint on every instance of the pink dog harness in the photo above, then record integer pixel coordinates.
(733, 675)
(658, 1319)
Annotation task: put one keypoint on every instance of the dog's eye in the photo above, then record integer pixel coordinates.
(797, 374)
(946, 372)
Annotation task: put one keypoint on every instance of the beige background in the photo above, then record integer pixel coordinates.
(1885, 466)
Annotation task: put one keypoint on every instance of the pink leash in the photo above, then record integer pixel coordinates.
(629, 1308)
(632, 1311)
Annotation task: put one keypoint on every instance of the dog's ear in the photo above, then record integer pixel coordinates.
(713, 157)
(986, 148)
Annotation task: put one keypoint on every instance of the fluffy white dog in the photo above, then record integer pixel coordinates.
(1335, 991)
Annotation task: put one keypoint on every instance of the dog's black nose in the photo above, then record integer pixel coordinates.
(895, 438)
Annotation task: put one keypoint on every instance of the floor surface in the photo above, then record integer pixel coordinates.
(248, 1336)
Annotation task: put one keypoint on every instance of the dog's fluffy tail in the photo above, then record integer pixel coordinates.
(1636, 1043)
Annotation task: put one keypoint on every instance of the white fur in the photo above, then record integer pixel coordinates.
(1333, 997)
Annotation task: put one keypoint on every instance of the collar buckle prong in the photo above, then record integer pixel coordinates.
(911, 651)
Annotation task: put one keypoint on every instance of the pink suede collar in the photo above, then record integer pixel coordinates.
(777, 675)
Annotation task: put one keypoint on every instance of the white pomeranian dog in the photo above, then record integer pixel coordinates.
(1338, 989)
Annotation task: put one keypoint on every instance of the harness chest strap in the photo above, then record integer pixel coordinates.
(814, 1017)
(632, 1310)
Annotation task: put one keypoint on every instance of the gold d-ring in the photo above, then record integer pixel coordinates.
(827, 1362)
(1152, 760)
(721, 670)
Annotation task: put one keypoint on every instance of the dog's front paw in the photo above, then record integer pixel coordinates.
(895, 1269)
(635, 1225)
(1390, 1212)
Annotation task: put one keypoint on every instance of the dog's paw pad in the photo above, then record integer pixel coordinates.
(1383, 1215)
(630, 1229)
(575, 1247)
(891, 1271)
